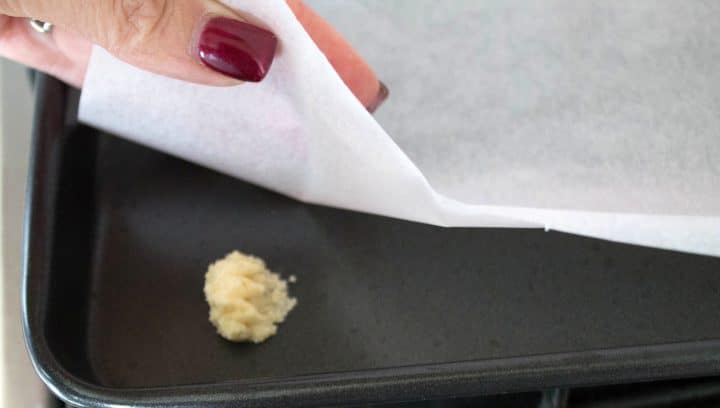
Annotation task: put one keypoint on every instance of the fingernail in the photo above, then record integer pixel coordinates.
(382, 95)
(237, 49)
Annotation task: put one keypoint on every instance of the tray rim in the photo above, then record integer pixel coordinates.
(526, 373)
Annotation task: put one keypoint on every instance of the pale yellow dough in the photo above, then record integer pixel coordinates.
(246, 300)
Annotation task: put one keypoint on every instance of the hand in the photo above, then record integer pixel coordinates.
(200, 41)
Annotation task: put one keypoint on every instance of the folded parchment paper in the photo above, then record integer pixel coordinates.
(600, 118)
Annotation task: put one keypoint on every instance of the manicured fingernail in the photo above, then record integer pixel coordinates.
(382, 94)
(237, 49)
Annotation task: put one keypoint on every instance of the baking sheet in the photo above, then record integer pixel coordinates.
(116, 250)
(597, 118)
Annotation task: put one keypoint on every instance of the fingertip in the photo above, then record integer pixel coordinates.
(348, 63)
(382, 94)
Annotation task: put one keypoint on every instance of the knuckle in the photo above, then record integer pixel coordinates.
(137, 24)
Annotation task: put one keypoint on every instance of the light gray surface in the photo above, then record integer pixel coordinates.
(597, 105)
(21, 386)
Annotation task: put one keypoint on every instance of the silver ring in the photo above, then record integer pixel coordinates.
(42, 27)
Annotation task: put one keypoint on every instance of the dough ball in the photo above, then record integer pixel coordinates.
(246, 300)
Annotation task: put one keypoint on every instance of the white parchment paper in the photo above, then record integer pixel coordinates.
(600, 118)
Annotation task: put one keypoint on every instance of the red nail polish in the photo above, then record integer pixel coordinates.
(237, 49)
(382, 95)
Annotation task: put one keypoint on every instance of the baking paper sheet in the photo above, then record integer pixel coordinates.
(600, 118)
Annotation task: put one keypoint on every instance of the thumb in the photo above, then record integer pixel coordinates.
(195, 40)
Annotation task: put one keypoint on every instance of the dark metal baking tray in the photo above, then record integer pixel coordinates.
(119, 236)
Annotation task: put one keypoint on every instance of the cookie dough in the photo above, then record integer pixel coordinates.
(247, 300)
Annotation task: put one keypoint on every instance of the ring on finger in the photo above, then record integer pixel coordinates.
(42, 27)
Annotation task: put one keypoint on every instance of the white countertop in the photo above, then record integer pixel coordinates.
(19, 385)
